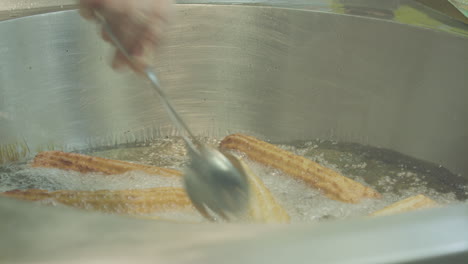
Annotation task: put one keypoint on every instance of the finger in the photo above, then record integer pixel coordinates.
(91, 4)
(121, 62)
(87, 7)
(162, 10)
(152, 35)
(146, 41)
(138, 65)
(113, 6)
(144, 51)
(137, 50)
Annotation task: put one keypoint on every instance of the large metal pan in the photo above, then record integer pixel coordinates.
(282, 73)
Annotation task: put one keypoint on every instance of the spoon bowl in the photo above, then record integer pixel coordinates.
(217, 182)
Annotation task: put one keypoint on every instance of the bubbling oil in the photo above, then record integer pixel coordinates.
(394, 175)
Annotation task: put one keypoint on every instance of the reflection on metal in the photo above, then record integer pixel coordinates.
(13, 152)
(18, 152)
(462, 6)
(284, 74)
(401, 11)
(77, 237)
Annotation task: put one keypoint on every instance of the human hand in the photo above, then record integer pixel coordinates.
(138, 24)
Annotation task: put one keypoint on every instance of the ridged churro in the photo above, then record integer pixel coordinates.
(130, 202)
(333, 184)
(87, 164)
(409, 204)
(262, 208)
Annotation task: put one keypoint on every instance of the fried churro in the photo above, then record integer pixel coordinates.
(130, 202)
(333, 184)
(262, 208)
(87, 164)
(409, 204)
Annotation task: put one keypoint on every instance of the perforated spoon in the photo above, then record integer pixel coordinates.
(215, 182)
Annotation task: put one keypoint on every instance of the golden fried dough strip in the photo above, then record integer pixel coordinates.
(333, 184)
(132, 202)
(86, 164)
(409, 204)
(263, 206)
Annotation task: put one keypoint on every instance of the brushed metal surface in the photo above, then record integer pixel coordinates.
(402, 11)
(278, 73)
(32, 234)
(283, 74)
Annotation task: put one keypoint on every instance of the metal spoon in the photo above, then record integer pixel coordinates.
(214, 181)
